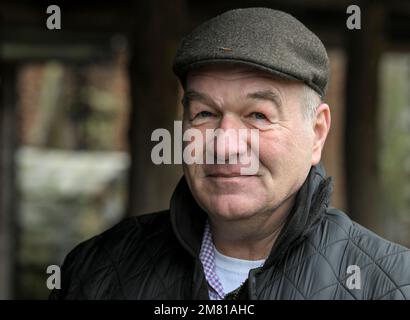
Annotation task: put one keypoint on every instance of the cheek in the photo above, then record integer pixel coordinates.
(273, 145)
(282, 149)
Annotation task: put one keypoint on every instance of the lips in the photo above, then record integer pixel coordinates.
(224, 171)
(224, 175)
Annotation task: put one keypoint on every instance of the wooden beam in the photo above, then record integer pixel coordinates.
(365, 47)
(8, 221)
(154, 94)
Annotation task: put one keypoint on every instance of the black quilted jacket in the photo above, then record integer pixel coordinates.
(155, 256)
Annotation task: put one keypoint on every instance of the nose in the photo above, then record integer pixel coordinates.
(229, 140)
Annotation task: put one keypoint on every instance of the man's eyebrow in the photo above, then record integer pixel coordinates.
(266, 95)
(192, 95)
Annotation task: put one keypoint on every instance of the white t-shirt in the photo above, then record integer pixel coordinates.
(232, 272)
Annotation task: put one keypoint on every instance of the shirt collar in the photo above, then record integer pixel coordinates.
(207, 257)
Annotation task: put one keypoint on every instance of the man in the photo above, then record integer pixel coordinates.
(229, 235)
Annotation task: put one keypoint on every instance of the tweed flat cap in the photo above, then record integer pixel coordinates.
(267, 39)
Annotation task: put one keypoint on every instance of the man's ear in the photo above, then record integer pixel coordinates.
(321, 127)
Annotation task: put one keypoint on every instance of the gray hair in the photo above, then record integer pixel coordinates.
(310, 101)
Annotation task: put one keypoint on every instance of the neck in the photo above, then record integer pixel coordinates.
(251, 238)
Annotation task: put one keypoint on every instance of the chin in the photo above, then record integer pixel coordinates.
(231, 207)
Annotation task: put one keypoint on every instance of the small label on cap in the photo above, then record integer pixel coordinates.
(225, 49)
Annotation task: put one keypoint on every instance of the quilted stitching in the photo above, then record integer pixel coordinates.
(340, 280)
(373, 259)
(299, 262)
(388, 292)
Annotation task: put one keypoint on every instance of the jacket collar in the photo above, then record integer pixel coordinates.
(188, 219)
(310, 205)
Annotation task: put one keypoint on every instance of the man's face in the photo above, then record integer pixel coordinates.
(243, 98)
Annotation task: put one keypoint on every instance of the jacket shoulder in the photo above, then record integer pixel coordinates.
(384, 266)
(92, 260)
(130, 230)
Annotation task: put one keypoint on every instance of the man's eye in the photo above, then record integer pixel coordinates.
(204, 114)
(258, 116)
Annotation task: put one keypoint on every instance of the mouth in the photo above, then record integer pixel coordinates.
(226, 172)
(229, 175)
